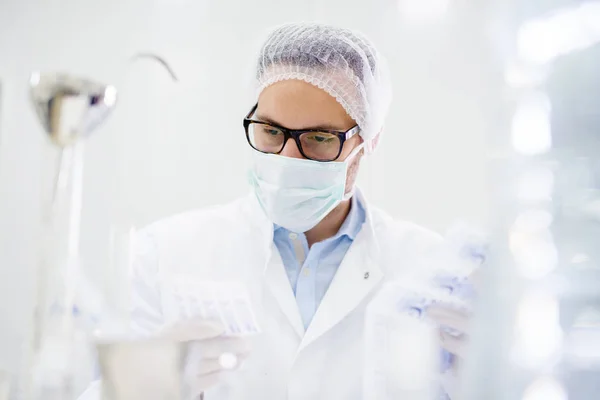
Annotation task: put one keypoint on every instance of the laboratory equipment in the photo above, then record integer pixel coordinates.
(142, 369)
(60, 356)
(223, 301)
(72, 310)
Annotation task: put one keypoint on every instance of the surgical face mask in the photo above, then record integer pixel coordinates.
(298, 193)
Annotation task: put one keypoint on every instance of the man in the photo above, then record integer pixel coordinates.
(308, 246)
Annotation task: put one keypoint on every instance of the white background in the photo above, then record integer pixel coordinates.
(171, 147)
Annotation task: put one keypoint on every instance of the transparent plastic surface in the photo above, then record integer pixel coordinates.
(401, 348)
(142, 369)
(538, 318)
(61, 354)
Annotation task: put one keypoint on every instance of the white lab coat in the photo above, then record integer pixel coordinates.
(235, 242)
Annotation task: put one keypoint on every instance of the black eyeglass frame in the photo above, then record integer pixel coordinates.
(295, 135)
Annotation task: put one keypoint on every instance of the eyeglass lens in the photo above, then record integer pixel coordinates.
(321, 146)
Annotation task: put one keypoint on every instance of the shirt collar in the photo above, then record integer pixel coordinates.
(352, 224)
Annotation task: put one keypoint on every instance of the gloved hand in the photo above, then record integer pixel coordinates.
(454, 327)
(455, 339)
(210, 356)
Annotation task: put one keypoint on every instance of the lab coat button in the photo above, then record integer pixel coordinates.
(293, 236)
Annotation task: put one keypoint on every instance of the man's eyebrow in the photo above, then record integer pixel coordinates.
(326, 127)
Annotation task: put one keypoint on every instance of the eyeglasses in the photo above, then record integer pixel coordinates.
(315, 144)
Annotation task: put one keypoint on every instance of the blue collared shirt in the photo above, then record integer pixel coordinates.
(311, 271)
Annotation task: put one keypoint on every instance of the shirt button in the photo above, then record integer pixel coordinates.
(306, 272)
(293, 236)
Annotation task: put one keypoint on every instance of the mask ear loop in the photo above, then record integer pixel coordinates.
(373, 143)
(354, 153)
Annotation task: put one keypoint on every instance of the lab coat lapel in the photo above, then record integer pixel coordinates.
(355, 279)
(274, 273)
(279, 285)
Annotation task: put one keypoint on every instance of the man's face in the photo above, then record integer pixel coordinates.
(298, 105)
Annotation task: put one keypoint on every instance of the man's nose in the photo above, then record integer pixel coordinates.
(291, 150)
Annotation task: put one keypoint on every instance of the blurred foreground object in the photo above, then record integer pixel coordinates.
(77, 308)
(70, 108)
(401, 349)
(142, 369)
(60, 357)
(4, 384)
(537, 335)
(402, 339)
